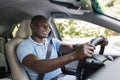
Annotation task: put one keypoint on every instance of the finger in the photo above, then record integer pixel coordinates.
(88, 55)
(105, 42)
(88, 51)
(89, 44)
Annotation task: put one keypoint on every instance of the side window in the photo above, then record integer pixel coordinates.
(15, 30)
(78, 31)
(108, 7)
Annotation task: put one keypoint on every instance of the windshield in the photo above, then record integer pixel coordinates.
(108, 7)
(79, 31)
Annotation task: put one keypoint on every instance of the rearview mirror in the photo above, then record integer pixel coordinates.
(84, 5)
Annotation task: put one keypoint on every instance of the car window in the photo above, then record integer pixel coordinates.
(108, 7)
(15, 30)
(78, 31)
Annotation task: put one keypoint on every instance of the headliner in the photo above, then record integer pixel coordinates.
(20, 9)
(34, 7)
(14, 11)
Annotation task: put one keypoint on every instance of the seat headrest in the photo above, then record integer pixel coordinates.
(24, 30)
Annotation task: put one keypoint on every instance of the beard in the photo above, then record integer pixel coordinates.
(42, 35)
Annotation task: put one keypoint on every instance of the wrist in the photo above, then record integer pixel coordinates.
(72, 57)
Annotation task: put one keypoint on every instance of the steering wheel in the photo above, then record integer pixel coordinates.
(87, 66)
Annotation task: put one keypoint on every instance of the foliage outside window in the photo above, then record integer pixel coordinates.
(77, 31)
(81, 29)
(108, 7)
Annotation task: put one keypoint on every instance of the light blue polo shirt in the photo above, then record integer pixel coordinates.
(29, 46)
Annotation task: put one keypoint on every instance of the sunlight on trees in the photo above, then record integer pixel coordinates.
(109, 7)
(80, 29)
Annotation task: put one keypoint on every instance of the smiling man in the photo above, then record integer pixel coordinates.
(32, 53)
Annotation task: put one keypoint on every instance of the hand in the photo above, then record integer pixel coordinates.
(83, 51)
(105, 41)
(97, 41)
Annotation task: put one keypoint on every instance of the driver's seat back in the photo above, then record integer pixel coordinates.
(17, 70)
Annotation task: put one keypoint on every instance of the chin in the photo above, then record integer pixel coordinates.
(45, 37)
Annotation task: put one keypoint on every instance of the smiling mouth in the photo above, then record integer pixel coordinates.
(45, 33)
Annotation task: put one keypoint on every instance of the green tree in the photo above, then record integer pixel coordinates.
(80, 29)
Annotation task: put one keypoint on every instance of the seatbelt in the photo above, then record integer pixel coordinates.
(49, 51)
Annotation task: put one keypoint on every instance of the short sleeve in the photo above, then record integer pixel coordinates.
(24, 49)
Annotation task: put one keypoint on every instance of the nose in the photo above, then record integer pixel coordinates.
(46, 27)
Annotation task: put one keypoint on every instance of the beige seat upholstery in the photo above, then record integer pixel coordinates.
(17, 71)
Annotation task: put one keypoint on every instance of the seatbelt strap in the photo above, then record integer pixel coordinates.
(49, 51)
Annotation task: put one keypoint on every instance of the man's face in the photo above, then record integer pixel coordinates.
(40, 29)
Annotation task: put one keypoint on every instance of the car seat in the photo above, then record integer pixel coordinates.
(17, 70)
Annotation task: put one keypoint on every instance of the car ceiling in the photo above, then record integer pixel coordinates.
(14, 11)
(33, 7)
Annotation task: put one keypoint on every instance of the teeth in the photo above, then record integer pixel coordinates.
(44, 32)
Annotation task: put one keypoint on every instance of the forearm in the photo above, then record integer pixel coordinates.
(65, 48)
(75, 46)
(47, 65)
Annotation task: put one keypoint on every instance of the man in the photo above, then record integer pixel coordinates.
(32, 52)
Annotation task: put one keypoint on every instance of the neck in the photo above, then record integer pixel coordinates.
(36, 39)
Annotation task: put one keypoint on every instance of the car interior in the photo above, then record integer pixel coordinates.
(15, 18)
(22, 34)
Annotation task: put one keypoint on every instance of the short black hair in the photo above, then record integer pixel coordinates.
(34, 19)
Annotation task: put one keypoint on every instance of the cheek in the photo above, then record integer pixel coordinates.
(39, 32)
(40, 29)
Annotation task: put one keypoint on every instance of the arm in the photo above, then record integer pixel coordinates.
(45, 65)
(67, 48)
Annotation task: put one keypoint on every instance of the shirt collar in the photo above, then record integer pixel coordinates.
(36, 43)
